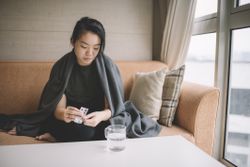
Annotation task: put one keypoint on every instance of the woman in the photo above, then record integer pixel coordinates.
(85, 77)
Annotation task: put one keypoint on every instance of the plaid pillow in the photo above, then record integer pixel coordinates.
(170, 95)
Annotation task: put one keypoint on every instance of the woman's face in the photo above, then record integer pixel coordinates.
(86, 48)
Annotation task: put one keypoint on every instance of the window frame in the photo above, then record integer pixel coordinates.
(225, 130)
(229, 11)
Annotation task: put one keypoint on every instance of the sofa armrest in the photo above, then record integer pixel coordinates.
(196, 113)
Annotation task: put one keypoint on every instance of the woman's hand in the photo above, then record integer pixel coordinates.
(94, 118)
(70, 113)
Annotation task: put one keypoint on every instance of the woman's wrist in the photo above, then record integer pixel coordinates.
(59, 113)
(108, 114)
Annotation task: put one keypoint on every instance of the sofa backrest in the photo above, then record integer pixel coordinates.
(129, 68)
(22, 83)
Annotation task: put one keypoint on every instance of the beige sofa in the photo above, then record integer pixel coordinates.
(22, 83)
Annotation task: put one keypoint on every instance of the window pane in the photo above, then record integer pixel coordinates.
(237, 148)
(205, 7)
(200, 62)
(243, 2)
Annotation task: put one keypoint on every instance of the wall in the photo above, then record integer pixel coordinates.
(40, 29)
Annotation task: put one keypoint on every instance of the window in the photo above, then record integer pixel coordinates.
(237, 146)
(225, 63)
(243, 2)
(205, 7)
(200, 63)
(201, 55)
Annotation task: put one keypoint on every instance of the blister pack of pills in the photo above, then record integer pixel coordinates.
(84, 111)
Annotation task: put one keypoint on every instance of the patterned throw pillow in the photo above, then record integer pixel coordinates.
(146, 93)
(170, 95)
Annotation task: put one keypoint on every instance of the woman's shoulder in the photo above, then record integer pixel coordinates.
(108, 60)
(64, 59)
(61, 66)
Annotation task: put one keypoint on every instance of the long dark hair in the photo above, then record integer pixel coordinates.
(86, 24)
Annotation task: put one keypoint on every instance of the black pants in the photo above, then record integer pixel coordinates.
(67, 132)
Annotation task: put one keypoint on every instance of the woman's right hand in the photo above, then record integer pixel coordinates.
(66, 113)
(70, 113)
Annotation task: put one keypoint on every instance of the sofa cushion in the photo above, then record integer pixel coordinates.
(170, 95)
(176, 130)
(146, 93)
(6, 139)
(129, 68)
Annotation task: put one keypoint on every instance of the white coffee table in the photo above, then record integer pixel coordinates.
(172, 151)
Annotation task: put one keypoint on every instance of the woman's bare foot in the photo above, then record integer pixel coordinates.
(12, 131)
(46, 137)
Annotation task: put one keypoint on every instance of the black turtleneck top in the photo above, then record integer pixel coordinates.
(84, 88)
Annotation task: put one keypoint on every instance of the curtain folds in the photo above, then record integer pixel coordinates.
(177, 30)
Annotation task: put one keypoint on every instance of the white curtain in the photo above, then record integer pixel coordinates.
(177, 31)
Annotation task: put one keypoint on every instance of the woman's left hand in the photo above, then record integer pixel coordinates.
(94, 118)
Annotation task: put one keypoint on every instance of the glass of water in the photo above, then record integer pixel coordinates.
(116, 137)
